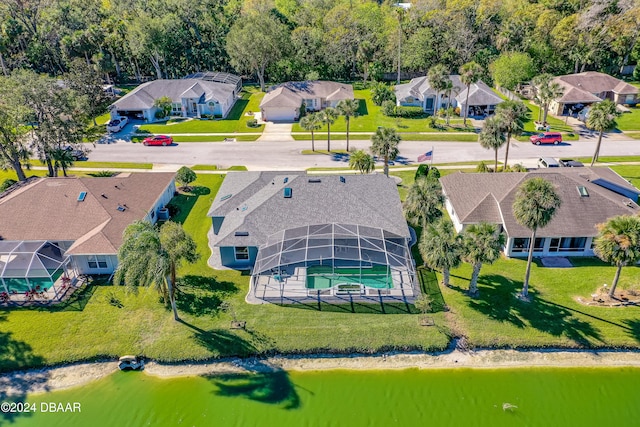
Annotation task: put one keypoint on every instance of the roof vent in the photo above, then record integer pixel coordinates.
(223, 198)
(343, 180)
(286, 179)
(116, 187)
(82, 196)
(241, 233)
(582, 190)
(287, 192)
(104, 196)
(121, 208)
(315, 180)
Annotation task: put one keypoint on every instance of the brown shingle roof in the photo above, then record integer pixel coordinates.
(49, 209)
(292, 93)
(469, 194)
(580, 87)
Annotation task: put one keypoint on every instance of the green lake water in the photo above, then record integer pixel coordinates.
(453, 397)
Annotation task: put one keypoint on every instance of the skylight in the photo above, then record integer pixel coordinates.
(223, 198)
(82, 196)
(287, 192)
(583, 191)
(241, 233)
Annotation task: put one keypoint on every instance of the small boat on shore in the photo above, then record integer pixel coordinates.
(130, 363)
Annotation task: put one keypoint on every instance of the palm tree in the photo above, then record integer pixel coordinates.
(362, 161)
(385, 144)
(440, 247)
(546, 91)
(448, 87)
(469, 74)
(437, 77)
(424, 202)
(511, 115)
(311, 122)
(602, 118)
(491, 137)
(150, 256)
(481, 244)
(618, 243)
(348, 108)
(328, 116)
(535, 205)
(62, 159)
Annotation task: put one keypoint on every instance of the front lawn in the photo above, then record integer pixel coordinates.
(629, 121)
(370, 117)
(236, 121)
(443, 136)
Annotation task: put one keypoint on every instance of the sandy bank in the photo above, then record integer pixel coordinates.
(49, 379)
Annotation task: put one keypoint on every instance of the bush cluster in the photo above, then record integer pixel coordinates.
(390, 109)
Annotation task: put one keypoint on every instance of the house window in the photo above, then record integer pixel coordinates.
(176, 108)
(410, 100)
(630, 99)
(242, 253)
(521, 244)
(568, 244)
(97, 261)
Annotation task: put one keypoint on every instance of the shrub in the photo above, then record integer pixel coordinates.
(423, 170)
(6, 184)
(380, 92)
(102, 174)
(389, 108)
(482, 167)
(185, 176)
(433, 122)
(252, 123)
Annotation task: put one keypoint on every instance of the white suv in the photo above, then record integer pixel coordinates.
(548, 162)
(117, 124)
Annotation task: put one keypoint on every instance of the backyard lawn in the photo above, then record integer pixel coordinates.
(107, 321)
(236, 121)
(370, 117)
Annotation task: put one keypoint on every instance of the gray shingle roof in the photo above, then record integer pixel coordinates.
(292, 93)
(257, 205)
(144, 95)
(471, 194)
(479, 94)
(419, 87)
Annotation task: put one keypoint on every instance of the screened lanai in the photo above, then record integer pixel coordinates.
(32, 265)
(334, 259)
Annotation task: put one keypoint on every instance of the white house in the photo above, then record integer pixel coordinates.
(419, 93)
(54, 228)
(283, 102)
(590, 196)
(191, 97)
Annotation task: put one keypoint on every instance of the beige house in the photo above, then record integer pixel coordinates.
(586, 88)
(55, 228)
(589, 196)
(283, 102)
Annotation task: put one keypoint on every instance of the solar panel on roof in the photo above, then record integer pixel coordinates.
(627, 192)
(82, 196)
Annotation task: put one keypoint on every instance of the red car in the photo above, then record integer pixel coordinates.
(546, 138)
(163, 140)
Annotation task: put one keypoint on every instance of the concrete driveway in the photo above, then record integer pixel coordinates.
(123, 136)
(276, 132)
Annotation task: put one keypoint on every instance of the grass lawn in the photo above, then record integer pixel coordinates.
(629, 121)
(113, 165)
(634, 135)
(610, 159)
(236, 121)
(370, 117)
(204, 168)
(466, 137)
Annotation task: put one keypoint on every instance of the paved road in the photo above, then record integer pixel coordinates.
(285, 155)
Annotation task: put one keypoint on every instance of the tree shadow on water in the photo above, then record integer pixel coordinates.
(16, 355)
(201, 295)
(261, 383)
(497, 301)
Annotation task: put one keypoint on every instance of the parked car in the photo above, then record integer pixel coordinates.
(570, 163)
(546, 138)
(76, 153)
(117, 124)
(548, 162)
(163, 140)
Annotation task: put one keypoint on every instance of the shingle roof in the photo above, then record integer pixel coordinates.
(472, 194)
(257, 205)
(581, 87)
(479, 94)
(144, 95)
(420, 86)
(49, 209)
(292, 93)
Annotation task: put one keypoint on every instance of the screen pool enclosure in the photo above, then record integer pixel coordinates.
(334, 259)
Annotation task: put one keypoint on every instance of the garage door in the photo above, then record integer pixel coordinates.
(274, 114)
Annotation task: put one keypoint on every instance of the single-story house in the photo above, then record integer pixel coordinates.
(309, 235)
(190, 97)
(586, 88)
(54, 229)
(283, 102)
(589, 197)
(419, 93)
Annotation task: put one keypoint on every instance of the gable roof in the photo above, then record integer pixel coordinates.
(143, 96)
(49, 209)
(479, 94)
(581, 87)
(419, 87)
(253, 202)
(477, 197)
(291, 94)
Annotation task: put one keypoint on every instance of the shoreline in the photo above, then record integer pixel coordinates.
(43, 380)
